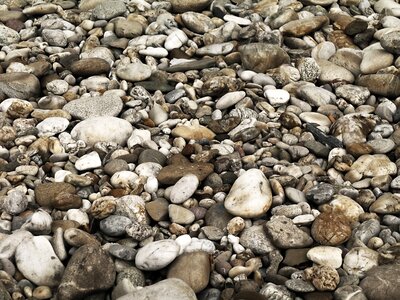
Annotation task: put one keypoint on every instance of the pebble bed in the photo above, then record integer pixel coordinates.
(199, 149)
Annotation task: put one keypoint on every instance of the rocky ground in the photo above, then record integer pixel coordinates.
(197, 149)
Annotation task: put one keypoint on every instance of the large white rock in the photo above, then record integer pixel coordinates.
(51, 126)
(326, 256)
(9, 244)
(157, 255)
(374, 165)
(175, 39)
(359, 260)
(102, 129)
(230, 99)
(168, 289)
(184, 188)
(88, 161)
(37, 261)
(250, 195)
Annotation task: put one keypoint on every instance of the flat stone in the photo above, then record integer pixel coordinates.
(102, 129)
(388, 203)
(193, 268)
(88, 107)
(109, 9)
(172, 173)
(374, 60)
(180, 215)
(193, 132)
(136, 71)
(391, 42)
(19, 85)
(89, 66)
(250, 195)
(168, 289)
(356, 95)
(156, 255)
(260, 57)
(299, 28)
(326, 255)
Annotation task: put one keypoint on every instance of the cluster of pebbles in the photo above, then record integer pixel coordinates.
(198, 149)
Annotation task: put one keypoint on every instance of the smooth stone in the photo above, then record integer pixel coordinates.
(326, 255)
(316, 96)
(216, 49)
(114, 225)
(90, 270)
(168, 289)
(158, 209)
(193, 268)
(157, 52)
(256, 239)
(9, 244)
(180, 215)
(88, 107)
(331, 72)
(158, 114)
(375, 59)
(151, 155)
(184, 188)
(52, 126)
(136, 71)
(277, 97)
(299, 28)
(217, 216)
(250, 195)
(123, 252)
(374, 165)
(37, 261)
(55, 37)
(388, 203)
(128, 28)
(181, 6)
(230, 99)
(89, 66)
(348, 58)
(197, 22)
(387, 85)
(381, 282)
(19, 85)
(115, 165)
(315, 118)
(349, 292)
(88, 161)
(193, 132)
(324, 51)
(176, 39)
(260, 57)
(172, 173)
(102, 129)
(359, 260)
(156, 255)
(391, 42)
(47, 193)
(285, 234)
(76, 237)
(382, 146)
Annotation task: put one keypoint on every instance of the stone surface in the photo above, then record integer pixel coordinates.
(156, 255)
(168, 289)
(193, 268)
(250, 195)
(37, 261)
(90, 270)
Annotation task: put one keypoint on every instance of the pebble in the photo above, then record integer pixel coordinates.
(102, 129)
(156, 255)
(193, 268)
(88, 107)
(250, 195)
(256, 140)
(167, 289)
(184, 188)
(90, 270)
(36, 260)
